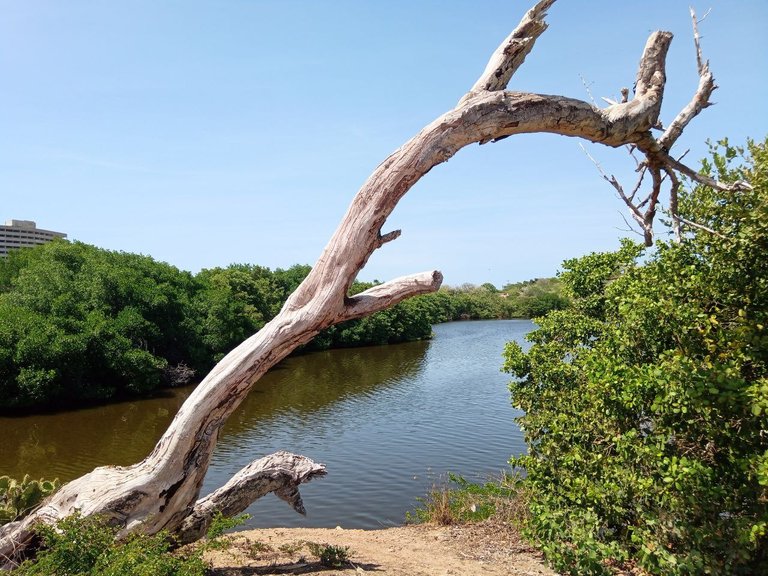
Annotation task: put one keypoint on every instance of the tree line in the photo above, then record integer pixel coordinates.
(82, 323)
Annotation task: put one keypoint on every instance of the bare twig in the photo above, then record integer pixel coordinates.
(699, 178)
(630, 228)
(588, 89)
(642, 170)
(644, 220)
(702, 227)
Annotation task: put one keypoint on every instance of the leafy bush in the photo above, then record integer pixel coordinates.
(86, 546)
(646, 401)
(220, 524)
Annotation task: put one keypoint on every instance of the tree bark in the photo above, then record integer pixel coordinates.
(161, 491)
(281, 473)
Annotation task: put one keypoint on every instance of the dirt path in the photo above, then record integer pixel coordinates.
(475, 549)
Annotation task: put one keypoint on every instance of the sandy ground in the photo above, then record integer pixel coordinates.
(483, 549)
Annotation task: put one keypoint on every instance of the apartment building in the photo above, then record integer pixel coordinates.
(24, 233)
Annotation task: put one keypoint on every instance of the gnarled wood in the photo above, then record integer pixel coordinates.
(281, 473)
(159, 492)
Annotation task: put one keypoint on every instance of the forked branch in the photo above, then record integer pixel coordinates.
(657, 159)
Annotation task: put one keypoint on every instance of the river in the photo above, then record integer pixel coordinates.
(388, 421)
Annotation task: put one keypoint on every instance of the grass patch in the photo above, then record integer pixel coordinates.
(215, 538)
(458, 501)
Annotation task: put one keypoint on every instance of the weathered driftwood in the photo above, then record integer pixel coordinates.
(161, 491)
(281, 473)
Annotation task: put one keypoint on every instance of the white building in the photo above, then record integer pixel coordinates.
(24, 233)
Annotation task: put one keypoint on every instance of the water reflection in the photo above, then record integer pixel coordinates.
(69, 444)
(301, 387)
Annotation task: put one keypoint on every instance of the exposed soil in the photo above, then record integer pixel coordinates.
(483, 549)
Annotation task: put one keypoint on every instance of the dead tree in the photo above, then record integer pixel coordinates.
(161, 491)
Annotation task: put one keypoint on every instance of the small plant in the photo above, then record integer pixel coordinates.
(291, 548)
(255, 549)
(17, 499)
(330, 555)
(219, 525)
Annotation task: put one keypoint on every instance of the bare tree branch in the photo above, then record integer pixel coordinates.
(700, 99)
(699, 178)
(281, 473)
(588, 90)
(642, 169)
(634, 210)
(656, 150)
(510, 55)
(629, 228)
(383, 296)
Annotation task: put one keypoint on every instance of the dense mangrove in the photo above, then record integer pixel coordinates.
(80, 323)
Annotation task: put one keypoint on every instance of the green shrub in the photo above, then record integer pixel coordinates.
(82, 323)
(330, 555)
(85, 546)
(646, 401)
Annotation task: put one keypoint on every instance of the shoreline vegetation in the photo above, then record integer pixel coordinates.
(82, 325)
(458, 528)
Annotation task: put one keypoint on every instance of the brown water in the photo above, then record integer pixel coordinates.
(388, 421)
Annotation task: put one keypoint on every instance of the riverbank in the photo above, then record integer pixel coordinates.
(486, 548)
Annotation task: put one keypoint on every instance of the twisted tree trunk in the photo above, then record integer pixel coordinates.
(161, 491)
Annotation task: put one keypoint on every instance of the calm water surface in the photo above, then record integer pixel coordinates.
(388, 422)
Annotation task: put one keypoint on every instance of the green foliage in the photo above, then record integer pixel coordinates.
(535, 298)
(19, 498)
(85, 546)
(77, 322)
(469, 302)
(220, 524)
(646, 400)
(330, 555)
(257, 548)
(291, 548)
(460, 501)
(235, 302)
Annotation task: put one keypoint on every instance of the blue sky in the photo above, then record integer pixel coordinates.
(204, 133)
